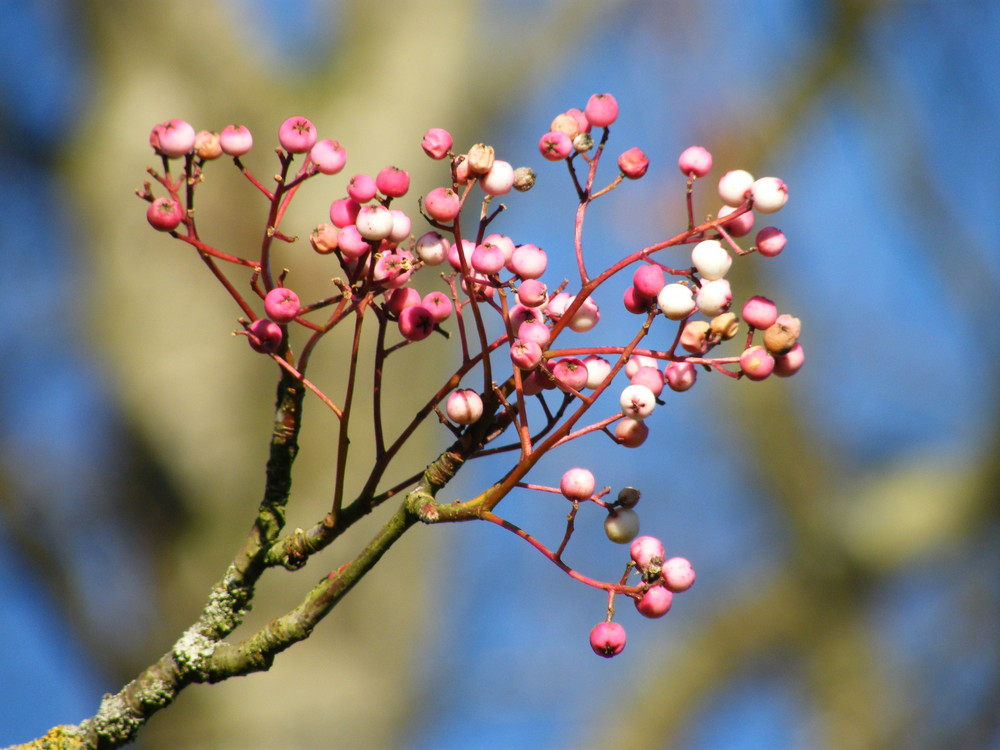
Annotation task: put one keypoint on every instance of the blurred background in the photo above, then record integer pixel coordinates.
(843, 523)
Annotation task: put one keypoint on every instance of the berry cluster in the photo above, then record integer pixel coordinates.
(488, 274)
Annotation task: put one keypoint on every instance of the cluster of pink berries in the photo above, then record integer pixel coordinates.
(490, 273)
(662, 577)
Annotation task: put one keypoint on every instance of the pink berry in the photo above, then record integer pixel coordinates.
(734, 186)
(555, 145)
(432, 248)
(328, 156)
(467, 248)
(769, 195)
(344, 212)
(464, 406)
(460, 167)
(400, 226)
(586, 317)
(648, 280)
(790, 362)
(577, 484)
(655, 602)
(164, 214)
(622, 525)
(696, 161)
(281, 305)
(678, 575)
(393, 269)
(739, 226)
(439, 304)
(374, 222)
(770, 241)
(633, 163)
(532, 293)
(756, 363)
(601, 110)
(598, 369)
(235, 140)
(352, 245)
(607, 639)
(173, 138)
(323, 239)
(680, 376)
(760, 312)
(646, 550)
(631, 432)
(436, 143)
(521, 313)
(401, 298)
(558, 305)
(361, 188)
(297, 135)
(442, 204)
(526, 355)
(416, 323)
(582, 124)
(528, 262)
(487, 259)
(639, 360)
(636, 302)
(649, 377)
(264, 336)
(570, 373)
(534, 331)
(392, 182)
(499, 180)
(505, 243)
(637, 401)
